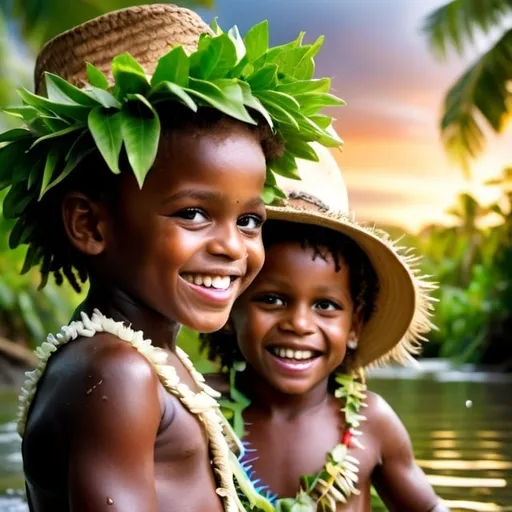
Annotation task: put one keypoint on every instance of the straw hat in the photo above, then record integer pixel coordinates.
(147, 32)
(403, 306)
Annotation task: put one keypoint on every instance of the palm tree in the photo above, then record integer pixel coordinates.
(483, 94)
(467, 211)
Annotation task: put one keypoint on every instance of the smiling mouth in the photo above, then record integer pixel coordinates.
(216, 282)
(290, 355)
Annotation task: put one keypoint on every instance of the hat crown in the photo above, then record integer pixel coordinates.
(321, 183)
(146, 32)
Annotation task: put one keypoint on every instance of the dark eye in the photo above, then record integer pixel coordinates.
(270, 299)
(250, 222)
(194, 215)
(327, 305)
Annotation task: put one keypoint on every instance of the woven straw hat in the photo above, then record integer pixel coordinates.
(403, 306)
(147, 32)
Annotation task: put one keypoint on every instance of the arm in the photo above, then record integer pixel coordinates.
(400, 482)
(112, 435)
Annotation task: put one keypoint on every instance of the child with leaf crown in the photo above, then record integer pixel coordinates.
(149, 146)
(333, 297)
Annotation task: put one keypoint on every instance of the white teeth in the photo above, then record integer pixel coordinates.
(287, 353)
(221, 283)
(217, 282)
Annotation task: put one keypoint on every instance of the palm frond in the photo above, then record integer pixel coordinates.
(457, 22)
(483, 91)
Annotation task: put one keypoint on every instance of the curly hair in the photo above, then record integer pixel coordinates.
(56, 254)
(222, 347)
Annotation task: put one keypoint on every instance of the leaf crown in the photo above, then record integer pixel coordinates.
(235, 75)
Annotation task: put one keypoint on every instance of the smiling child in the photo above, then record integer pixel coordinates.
(142, 173)
(331, 299)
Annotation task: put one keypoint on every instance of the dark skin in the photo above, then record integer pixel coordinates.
(293, 420)
(102, 433)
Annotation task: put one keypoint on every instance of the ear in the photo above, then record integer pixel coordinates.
(357, 321)
(84, 223)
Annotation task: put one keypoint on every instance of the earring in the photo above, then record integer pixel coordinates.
(352, 341)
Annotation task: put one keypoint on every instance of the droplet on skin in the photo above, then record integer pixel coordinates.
(469, 403)
(110, 501)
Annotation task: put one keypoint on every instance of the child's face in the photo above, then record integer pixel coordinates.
(293, 322)
(189, 242)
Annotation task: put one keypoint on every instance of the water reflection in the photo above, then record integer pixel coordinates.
(466, 452)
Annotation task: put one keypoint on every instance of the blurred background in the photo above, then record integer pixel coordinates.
(427, 156)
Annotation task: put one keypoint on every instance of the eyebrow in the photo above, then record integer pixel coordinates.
(206, 195)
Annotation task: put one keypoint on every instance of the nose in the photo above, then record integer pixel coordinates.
(298, 319)
(227, 241)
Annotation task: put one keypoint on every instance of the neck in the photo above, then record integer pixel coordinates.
(119, 305)
(277, 404)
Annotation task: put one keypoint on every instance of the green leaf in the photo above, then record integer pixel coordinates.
(286, 166)
(173, 67)
(24, 112)
(302, 150)
(140, 128)
(264, 79)
(251, 101)
(15, 134)
(224, 95)
(61, 133)
(216, 60)
(321, 120)
(61, 91)
(105, 126)
(81, 148)
(295, 87)
(287, 61)
(129, 75)
(35, 174)
(76, 112)
(286, 101)
(306, 68)
(312, 102)
(170, 91)
(53, 157)
(238, 43)
(30, 258)
(10, 155)
(16, 201)
(106, 99)
(214, 25)
(272, 194)
(279, 112)
(256, 41)
(16, 234)
(96, 77)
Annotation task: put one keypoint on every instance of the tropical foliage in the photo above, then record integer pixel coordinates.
(481, 97)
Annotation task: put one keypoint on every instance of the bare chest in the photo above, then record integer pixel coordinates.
(287, 451)
(183, 471)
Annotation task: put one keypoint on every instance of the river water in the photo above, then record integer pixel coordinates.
(460, 425)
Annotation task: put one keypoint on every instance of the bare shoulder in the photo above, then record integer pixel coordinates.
(385, 426)
(90, 371)
(378, 410)
(218, 381)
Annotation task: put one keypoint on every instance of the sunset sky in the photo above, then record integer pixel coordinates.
(393, 163)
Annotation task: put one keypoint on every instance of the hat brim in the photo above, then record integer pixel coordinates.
(399, 288)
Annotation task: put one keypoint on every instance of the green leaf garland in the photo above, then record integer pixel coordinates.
(238, 76)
